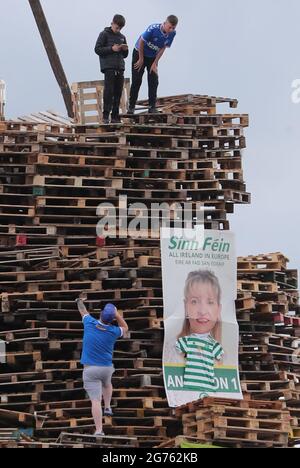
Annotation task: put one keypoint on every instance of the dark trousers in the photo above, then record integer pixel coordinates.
(113, 89)
(137, 78)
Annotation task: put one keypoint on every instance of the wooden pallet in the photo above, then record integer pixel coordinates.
(87, 98)
(236, 422)
(268, 262)
(105, 442)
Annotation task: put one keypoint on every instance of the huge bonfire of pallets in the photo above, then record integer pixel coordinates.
(52, 178)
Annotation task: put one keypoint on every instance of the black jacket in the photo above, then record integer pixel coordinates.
(110, 60)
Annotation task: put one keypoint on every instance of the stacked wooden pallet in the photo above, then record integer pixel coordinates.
(56, 176)
(191, 104)
(269, 318)
(52, 178)
(268, 314)
(233, 423)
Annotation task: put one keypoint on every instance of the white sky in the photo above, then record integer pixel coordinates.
(246, 49)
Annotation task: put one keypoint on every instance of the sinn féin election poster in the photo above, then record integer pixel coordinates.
(201, 342)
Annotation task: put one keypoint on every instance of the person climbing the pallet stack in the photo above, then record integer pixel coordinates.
(112, 49)
(99, 340)
(149, 49)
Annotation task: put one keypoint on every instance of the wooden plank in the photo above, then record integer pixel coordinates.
(53, 56)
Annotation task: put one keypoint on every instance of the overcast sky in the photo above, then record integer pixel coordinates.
(246, 49)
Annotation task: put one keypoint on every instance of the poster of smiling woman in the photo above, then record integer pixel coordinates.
(201, 342)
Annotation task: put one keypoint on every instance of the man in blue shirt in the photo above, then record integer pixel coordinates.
(99, 340)
(149, 49)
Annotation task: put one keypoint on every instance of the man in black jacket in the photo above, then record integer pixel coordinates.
(112, 49)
